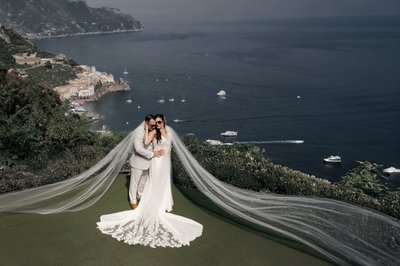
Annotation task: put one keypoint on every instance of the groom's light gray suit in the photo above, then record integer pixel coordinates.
(140, 163)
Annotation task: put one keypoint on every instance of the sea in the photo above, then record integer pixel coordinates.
(333, 83)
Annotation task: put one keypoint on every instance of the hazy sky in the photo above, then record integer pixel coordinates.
(247, 9)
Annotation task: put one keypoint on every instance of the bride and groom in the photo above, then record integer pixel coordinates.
(343, 233)
(150, 195)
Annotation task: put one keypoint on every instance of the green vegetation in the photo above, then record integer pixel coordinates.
(17, 44)
(244, 166)
(52, 75)
(40, 142)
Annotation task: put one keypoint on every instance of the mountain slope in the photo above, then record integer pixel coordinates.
(60, 17)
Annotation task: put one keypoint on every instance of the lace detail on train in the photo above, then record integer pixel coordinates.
(156, 234)
(150, 224)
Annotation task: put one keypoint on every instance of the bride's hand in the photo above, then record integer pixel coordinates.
(152, 133)
(146, 127)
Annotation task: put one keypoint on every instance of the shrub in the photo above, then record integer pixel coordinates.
(244, 166)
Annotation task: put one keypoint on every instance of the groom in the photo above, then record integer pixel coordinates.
(140, 160)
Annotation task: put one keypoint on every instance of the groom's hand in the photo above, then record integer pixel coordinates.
(158, 153)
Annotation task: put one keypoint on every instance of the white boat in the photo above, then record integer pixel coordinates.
(177, 120)
(229, 133)
(104, 131)
(171, 100)
(214, 142)
(125, 72)
(79, 109)
(161, 100)
(391, 170)
(221, 93)
(183, 100)
(333, 159)
(129, 99)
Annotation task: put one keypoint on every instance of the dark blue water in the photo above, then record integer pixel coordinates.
(346, 73)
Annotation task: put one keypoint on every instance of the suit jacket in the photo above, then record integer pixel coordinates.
(142, 154)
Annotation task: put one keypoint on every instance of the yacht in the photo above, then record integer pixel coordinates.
(333, 159)
(229, 133)
(161, 100)
(391, 170)
(125, 72)
(171, 100)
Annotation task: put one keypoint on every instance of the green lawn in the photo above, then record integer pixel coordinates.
(72, 239)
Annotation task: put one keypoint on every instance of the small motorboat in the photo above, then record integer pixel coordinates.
(79, 109)
(129, 100)
(125, 72)
(229, 133)
(333, 159)
(213, 142)
(171, 100)
(391, 170)
(221, 93)
(161, 100)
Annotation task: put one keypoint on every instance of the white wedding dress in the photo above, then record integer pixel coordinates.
(150, 224)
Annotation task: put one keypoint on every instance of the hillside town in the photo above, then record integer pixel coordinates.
(89, 84)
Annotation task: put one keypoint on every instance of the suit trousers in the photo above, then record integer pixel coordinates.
(137, 183)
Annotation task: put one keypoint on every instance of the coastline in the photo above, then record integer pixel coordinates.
(121, 85)
(32, 36)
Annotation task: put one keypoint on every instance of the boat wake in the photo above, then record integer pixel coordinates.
(179, 120)
(270, 142)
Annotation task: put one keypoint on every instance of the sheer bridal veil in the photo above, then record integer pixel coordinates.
(344, 233)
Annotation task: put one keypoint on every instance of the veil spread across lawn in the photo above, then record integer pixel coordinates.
(344, 233)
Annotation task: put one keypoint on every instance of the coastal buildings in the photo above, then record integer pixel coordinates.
(28, 59)
(32, 59)
(90, 84)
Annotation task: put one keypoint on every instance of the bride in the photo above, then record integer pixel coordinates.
(343, 233)
(150, 224)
